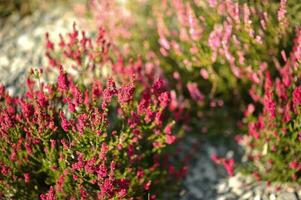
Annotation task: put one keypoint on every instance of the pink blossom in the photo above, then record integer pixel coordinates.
(50, 195)
(296, 98)
(229, 166)
(125, 94)
(250, 109)
(26, 177)
(204, 73)
(147, 185)
(195, 93)
(49, 44)
(65, 124)
(212, 3)
(293, 164)
(62, 80)
(164, 99)
(170, 139)
(282, 11)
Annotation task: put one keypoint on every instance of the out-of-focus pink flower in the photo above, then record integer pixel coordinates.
(296, 98)
(195, 93)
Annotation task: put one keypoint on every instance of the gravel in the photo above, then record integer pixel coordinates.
(208, 181)
(22, 43)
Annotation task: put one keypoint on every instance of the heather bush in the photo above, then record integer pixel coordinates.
(273, 142)
(211, 52)
(86, 135)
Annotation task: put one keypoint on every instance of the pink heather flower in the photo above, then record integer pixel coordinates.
(81, 121)
(104, 150)
(296, 53)
(270, 106)
(42, 100)
(122, 193)
(250, 109)
(83, 193)
(4, 170)
(164, 43)
(227, 163)
(65, 124)
(60, 182)
(281, 90)
(62, 80)
(282, 11)
(28, 148)
(170, 139)
(286, 75)
(287, 113)
(164, 99)
(125, 94)
(123, 183)
(140, 173)
(212, 3)
(215, 158)
(106, 187)
(87, 98)
(158, 118)
(134, 120)
(26, 177)
(252, 129)
(293, 164)
(168, 128)
(204, 73)
(254, 77)
(268, 85)
(65, 146)
(254, 95)
(96, 89)
(194, 29)
(195, 93)
(102, 171)
(2, 91)
(50, 195)
(53, 142)
(144, 103)
(49, 44)
(13, 156)
(268, 102)
(130, 151)
(62, 42)
(111, 85)
(229, 166)
(76, 93)
(27, 109)
(215, 36)
(158, 86)
(147, 185)
(296, 97)
(283, 54)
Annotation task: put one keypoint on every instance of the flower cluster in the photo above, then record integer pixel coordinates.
(219, 55)
(210, 51)
(274, 137)
(221, 47)
(103, 138)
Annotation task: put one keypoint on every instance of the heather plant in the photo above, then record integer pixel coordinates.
(85, 136)
(273, 142)
(210, 52)
(217, 49)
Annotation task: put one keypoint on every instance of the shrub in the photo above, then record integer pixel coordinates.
(273, 142)
(85, 135)
(210, 52)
